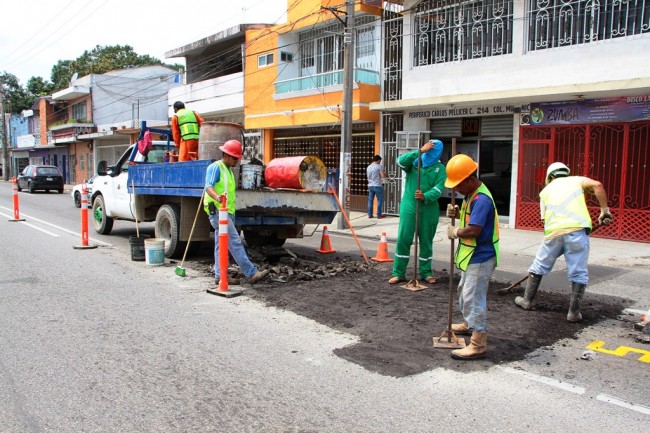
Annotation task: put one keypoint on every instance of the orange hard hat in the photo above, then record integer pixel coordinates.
(458, 168)
(232, 148)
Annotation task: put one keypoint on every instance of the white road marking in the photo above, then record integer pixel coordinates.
(618, 402)
(545, 380)
(51, 225)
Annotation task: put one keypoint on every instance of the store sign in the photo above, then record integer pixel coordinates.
(623, 109)
(470, 126)
(485, 110)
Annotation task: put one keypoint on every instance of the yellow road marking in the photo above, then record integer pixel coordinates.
(620, 350)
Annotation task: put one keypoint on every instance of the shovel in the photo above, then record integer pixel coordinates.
(180, 270)
(452, 341)
(414, 285)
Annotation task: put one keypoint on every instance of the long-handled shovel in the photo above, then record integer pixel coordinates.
(180, 270)
(451, 341)
(414, 285)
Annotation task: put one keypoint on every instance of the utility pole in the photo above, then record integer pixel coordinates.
(5, 172)
(345, 164)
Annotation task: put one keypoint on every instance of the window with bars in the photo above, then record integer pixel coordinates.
(448, 30)
(321, 50)
(79, 111)
(558, 23)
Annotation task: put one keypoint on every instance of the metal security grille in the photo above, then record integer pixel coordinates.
(558, 23)
(393, 37)
(391, 122)
(253, 145)
(449, 30)
(615, 154)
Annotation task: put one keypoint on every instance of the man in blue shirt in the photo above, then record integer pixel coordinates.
(477, 254)
(220, 181)
(375, 173)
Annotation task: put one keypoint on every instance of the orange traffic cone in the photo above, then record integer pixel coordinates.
(325, 245)
(382, 252)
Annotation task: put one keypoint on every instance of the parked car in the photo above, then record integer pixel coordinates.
(43, 177)
(76, 192)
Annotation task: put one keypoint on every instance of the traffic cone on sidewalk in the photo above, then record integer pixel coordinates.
(325, 244)
(382, 251)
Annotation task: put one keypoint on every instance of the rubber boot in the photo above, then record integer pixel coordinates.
(477, 347)
(526, 301)
(460, 328)
(578, 291)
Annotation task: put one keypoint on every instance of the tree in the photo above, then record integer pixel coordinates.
(99, 60)
(37, 86)
(16, 99)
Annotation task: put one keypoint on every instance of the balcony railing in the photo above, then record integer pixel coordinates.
(327, 79)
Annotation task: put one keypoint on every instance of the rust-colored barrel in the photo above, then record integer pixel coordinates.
(297, 172)
(213, 135)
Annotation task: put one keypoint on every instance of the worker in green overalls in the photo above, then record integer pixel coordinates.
(432, 178)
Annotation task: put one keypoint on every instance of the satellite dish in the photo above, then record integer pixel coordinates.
(74, 77)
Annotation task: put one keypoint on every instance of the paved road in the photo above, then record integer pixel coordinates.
(92, 341)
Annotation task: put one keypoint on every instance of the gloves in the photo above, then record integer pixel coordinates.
(605, 217)
(452, 232)
(453, 211)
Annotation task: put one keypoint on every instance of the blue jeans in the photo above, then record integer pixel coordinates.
(574, 246)
(372, 192)
(472, 294)
(235, 247)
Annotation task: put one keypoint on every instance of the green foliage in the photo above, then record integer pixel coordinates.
(37, 86)
(16, 98)
(99, 60)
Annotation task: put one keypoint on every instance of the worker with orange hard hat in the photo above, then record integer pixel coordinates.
(477, 254)
(219, 181)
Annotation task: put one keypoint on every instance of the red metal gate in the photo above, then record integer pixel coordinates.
(618, 155)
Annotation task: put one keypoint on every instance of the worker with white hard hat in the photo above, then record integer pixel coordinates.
(567, 225)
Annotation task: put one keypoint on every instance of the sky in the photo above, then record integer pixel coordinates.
(36, 34)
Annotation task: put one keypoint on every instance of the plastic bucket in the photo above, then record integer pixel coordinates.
(212, 135)
(137, 247)
(154, 251)
(298, 172)
(251, 176)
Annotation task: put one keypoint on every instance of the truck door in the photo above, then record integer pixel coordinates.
(116, 194)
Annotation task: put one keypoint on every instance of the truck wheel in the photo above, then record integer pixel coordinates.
(103, 223)
(167, 228)
(256, 239)
(77, 199)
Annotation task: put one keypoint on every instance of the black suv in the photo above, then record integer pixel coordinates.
(45, 177)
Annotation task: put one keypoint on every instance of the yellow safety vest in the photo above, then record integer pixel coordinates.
(564, 204)
(466, 246)
(188, 124)
(220, 187)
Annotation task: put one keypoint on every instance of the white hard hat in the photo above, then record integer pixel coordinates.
(556, 167)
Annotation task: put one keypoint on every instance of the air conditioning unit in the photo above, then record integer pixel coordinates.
(410, 140)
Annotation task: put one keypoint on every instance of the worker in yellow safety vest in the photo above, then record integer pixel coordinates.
(567, 226)
(185, 131)
(477, 254)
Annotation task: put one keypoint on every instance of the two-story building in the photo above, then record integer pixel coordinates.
(522, 83)
(284, 83)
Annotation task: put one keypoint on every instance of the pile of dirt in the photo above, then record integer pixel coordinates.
(396, 326)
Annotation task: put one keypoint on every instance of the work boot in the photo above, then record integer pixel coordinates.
(526, 301)
(258, 276)
(460, 328)
(477, 347)
(578, 291)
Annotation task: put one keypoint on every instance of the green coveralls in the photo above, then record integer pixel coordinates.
(432, 183)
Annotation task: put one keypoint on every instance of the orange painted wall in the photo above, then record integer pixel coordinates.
(316, 109)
